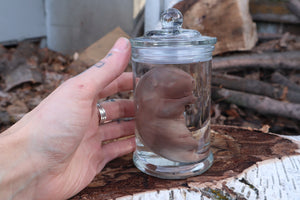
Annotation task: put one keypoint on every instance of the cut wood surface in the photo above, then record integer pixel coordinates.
(96, 51)
(249, 164)
(100, 48)
(228, 20)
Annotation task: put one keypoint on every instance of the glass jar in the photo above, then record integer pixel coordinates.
(172, 78)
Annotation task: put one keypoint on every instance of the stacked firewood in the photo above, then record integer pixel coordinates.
(266, 79)
(253, 68)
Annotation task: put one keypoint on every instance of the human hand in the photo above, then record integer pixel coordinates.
(65, 141)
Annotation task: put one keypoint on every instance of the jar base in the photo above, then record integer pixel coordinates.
(180, 171)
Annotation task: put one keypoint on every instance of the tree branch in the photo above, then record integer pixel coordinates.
(271, 60)
(260, 104)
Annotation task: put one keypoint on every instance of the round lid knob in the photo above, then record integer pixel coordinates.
(171, 19)
(173, 38)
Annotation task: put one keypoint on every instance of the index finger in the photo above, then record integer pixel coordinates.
(123, 83)
(100, 75)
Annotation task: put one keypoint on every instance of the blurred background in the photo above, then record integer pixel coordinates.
(256, 64)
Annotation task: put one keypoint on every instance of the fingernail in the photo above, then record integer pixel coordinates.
(121, 44)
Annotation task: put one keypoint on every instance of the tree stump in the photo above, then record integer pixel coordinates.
(248, 164)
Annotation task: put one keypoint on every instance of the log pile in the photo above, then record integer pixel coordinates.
(253, 69)
(265, 80)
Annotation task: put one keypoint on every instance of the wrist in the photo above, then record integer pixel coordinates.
(18, 167)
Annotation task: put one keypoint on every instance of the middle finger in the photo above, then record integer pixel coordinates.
(116, 109)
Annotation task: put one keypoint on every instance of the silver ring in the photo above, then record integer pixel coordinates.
(101, 114)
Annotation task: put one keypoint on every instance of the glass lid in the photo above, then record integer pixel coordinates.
(172, 34)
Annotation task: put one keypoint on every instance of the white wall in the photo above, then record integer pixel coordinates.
(21, 19)
(70, 25)
(153, 10)
(73, 25)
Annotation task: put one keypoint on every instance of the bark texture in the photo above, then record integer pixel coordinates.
(261, 104)
(271, 60)
(235, 150)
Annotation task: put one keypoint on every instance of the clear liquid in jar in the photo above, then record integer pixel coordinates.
(195, 115)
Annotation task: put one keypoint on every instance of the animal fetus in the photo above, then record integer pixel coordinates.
(161, 96)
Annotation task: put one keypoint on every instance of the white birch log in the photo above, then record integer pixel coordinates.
(270, 179)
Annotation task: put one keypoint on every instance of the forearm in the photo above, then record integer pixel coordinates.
(18, 174)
